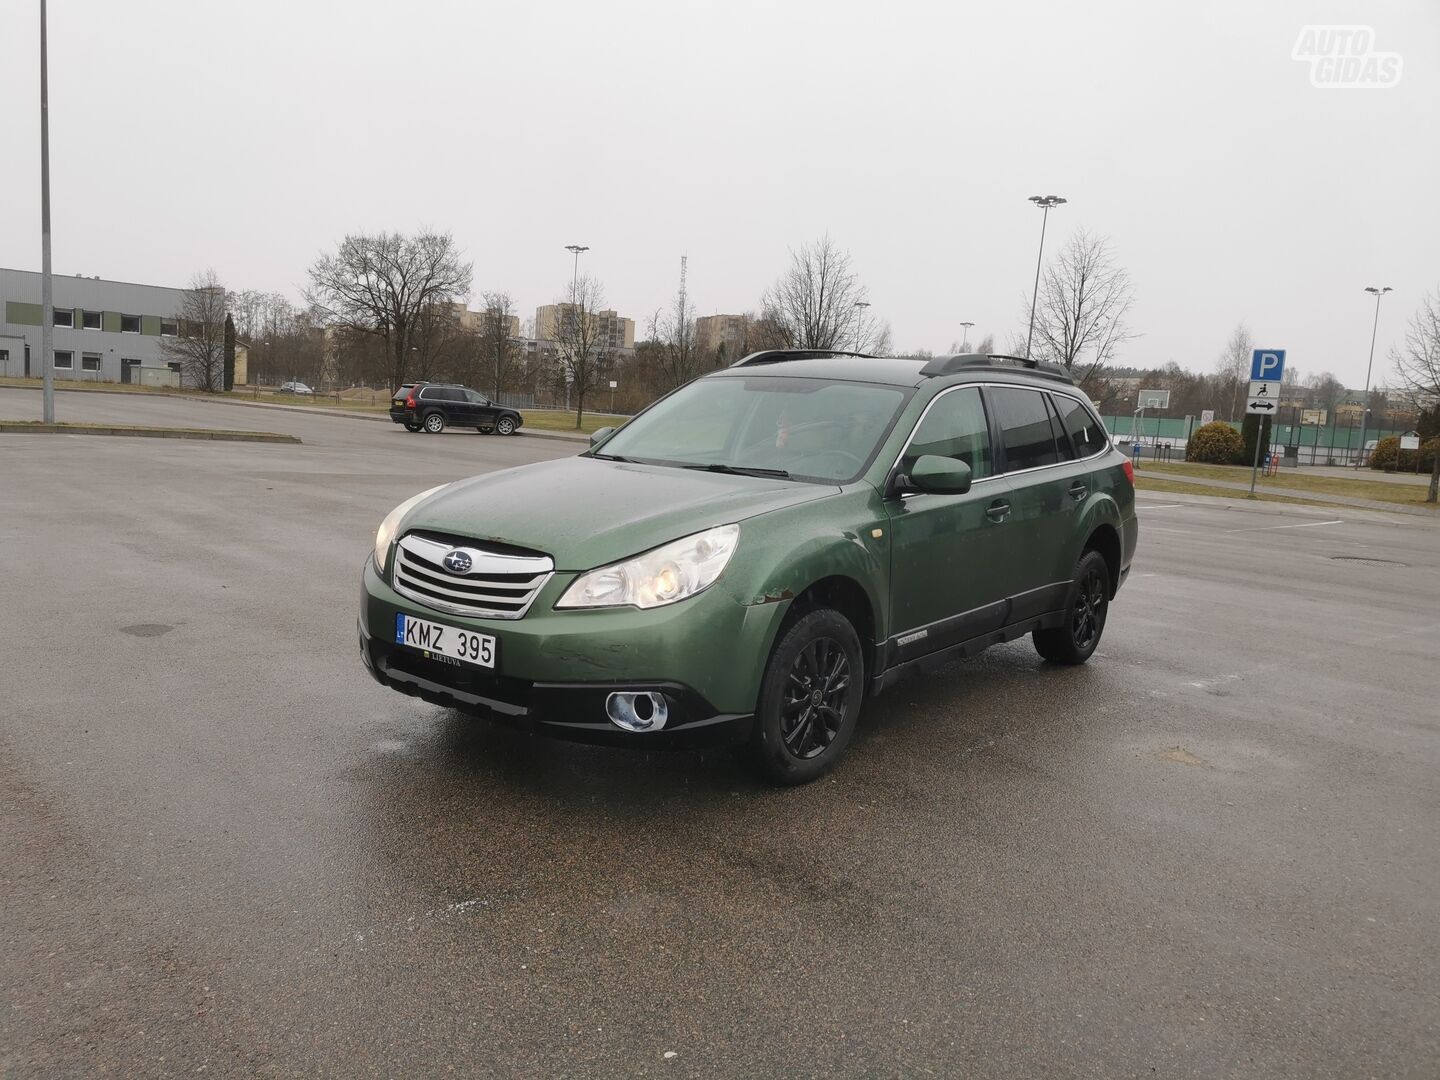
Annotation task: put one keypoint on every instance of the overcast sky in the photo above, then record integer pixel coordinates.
(249, 137)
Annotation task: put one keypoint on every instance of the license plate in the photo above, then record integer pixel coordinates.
(430, 637)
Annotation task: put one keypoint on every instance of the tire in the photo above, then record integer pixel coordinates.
(412, 427)
(505, 426)
(802, 729)
(1085, 612)
(434, 423)
(483, 430)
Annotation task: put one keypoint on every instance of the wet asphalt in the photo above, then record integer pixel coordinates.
(225, 851)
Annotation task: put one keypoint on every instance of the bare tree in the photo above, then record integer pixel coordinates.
(677, 358)
(819, 303)
(1084, 300)
(1325, 392)
(199, 347)
(1233, 366)
(578, 336)
(1417, 364)
(385, 285)
(497, 351)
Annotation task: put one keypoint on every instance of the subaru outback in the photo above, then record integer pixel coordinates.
(755, 553)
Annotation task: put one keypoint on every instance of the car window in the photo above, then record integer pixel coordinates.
(954, 427)
(1057, 431)
(475, 399)
(1080, 422)
(439, 393)
(1025, 426)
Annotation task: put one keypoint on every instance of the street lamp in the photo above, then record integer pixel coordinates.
(575, 278)
(965, 344)
(859, 315)
(1365, 415)
(47, 306)
(1045, 202)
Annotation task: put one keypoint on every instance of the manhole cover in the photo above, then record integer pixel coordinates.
(1367, 561)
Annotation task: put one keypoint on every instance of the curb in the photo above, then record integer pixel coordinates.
(37, 428)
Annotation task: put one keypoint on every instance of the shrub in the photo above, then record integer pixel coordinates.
(1387, 450)
(1215, 444)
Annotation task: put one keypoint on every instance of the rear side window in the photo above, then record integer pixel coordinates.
(954, 427)
(1085, 431)
(1025, 425)
(439, 393)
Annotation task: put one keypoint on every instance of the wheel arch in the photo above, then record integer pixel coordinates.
(1105, 539)
(844, 594)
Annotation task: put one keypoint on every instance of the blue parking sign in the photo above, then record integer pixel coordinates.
(1267, 365)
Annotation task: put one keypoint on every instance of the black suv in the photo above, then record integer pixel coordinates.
(427, 406)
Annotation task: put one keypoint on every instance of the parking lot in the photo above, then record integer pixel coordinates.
(1209, 852)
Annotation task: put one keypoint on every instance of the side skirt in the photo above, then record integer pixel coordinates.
(961, 650)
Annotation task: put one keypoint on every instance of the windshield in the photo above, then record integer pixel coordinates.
(807, 429)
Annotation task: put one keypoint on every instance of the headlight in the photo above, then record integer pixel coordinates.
(385, 535)
(667, 574)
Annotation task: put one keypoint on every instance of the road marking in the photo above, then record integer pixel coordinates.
(1305, 525)
(1159, 506)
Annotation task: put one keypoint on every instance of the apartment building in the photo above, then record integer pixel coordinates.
(616, 333)
(731, 331)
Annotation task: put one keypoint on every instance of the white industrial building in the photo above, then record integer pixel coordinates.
(108, 331)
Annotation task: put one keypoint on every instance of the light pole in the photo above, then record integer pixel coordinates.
(47, 299)
(1365, 415)
(1045, 202)
(965, 344)
(574, 303)
(859, 316)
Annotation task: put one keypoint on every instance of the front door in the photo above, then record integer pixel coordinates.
(947, 550)
(127, 370)
(482, 412)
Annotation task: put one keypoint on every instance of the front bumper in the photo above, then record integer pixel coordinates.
(556, 669)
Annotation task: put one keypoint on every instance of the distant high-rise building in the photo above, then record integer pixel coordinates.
(732, 331)
(614, 331)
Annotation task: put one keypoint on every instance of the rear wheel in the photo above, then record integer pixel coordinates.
(809, 699)
(1076, 639)
(484, 430)
(434, 423)
(505, 425)
(411, 427)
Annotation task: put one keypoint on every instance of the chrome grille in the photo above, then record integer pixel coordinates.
(497, 586)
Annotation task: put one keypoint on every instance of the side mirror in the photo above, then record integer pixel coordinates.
(600, 435)
(938, 476)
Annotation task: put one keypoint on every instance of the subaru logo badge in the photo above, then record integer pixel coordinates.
(457, 562)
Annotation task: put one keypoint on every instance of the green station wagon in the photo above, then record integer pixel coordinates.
(750, 556)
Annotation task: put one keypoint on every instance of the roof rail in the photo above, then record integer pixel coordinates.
(775, 356)
(952, 365)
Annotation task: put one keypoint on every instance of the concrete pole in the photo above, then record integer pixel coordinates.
(47, 308)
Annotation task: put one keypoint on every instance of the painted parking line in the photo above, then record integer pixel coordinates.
(1302, 525)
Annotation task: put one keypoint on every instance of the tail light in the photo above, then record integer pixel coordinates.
(1129, 467)
(410, 404)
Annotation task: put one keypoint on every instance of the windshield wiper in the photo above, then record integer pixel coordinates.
(614, 457)
(741, 470)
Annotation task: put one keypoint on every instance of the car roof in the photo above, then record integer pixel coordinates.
(897, 370)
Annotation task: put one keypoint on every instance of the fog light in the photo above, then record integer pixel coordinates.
(644, 711)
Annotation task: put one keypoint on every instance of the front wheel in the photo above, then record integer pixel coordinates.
(434, 423)
(1076, 639)
(505, 425)
(809, 699)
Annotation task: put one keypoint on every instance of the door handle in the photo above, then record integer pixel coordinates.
(998, 511)
(1079, 489)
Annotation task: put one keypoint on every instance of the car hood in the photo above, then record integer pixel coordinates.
(584, 512)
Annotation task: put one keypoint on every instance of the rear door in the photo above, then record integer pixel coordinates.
(1036, 459)
(946, 549)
